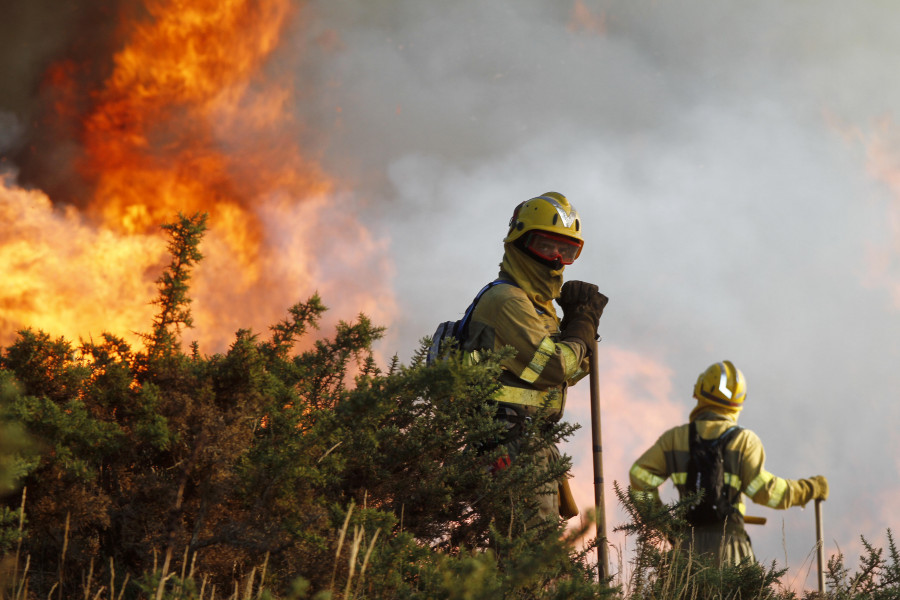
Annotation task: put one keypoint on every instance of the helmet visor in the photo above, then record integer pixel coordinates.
(550, 246)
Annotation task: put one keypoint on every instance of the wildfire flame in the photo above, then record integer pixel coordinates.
(196, 115)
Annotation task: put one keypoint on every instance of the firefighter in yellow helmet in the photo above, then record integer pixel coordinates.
(720, 392)
(545, 235)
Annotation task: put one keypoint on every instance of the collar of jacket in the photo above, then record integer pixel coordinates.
(540, 283)
(709, 413)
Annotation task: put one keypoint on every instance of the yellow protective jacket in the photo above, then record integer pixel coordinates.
(745, 470)
(543, 366)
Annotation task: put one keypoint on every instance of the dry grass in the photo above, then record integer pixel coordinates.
(183, 585)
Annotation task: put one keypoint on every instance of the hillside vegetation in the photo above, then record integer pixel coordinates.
(266, 472)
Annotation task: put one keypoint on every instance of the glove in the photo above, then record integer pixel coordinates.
(582, 305)
(819, 487)
(575, 293)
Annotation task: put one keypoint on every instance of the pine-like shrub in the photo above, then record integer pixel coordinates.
(268, 472)
(154, 471)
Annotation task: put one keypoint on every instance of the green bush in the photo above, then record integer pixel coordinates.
(263, 472)
(162, 466)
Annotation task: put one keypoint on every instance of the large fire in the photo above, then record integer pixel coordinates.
(194, 116)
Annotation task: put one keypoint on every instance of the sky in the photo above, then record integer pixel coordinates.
(736, 167)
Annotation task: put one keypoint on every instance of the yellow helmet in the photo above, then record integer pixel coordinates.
(549, 212)
(723, 384)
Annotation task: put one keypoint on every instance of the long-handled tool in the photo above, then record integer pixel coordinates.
(599, 508)
(820, 547)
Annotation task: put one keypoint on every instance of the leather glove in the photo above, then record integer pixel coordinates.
(819, 487)
(574, 293)
(582, 305)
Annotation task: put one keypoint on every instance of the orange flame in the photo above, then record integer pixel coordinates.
(195, 116)
(60, 274)
(186, 121)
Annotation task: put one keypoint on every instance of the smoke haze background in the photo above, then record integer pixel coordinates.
(736, 167)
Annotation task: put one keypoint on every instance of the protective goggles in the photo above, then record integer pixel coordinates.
(550, 246)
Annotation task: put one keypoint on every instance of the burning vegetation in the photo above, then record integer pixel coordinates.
(193, 112)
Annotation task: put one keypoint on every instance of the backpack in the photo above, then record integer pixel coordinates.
(456, 330)
(706, 471)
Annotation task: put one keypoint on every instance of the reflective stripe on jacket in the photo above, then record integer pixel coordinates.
(744, 464)
(542, 367)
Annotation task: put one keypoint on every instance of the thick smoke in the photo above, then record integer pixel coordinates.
(40, 43)
(735, 165)
(722, 158)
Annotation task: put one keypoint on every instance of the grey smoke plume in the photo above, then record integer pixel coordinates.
(720, 155)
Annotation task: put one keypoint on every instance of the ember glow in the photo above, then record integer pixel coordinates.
(193, 117)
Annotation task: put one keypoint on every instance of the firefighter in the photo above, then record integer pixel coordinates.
(720, 392)
(545, 235)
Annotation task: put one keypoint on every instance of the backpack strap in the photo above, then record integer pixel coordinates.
(728, 434)
(694, 437)
(461, 330)
(457, 329)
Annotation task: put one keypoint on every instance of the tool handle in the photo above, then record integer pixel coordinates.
(820, 546)
(599, 508)
(751, 520)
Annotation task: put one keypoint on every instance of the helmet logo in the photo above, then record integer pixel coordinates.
(567, 218)
(723, 382)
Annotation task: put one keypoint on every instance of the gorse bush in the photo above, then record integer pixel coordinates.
(159, 465)
(264, 472)
(663, 569)
(878, 577)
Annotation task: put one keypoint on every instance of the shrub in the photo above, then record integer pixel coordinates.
(266, 473)
(316, 467)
